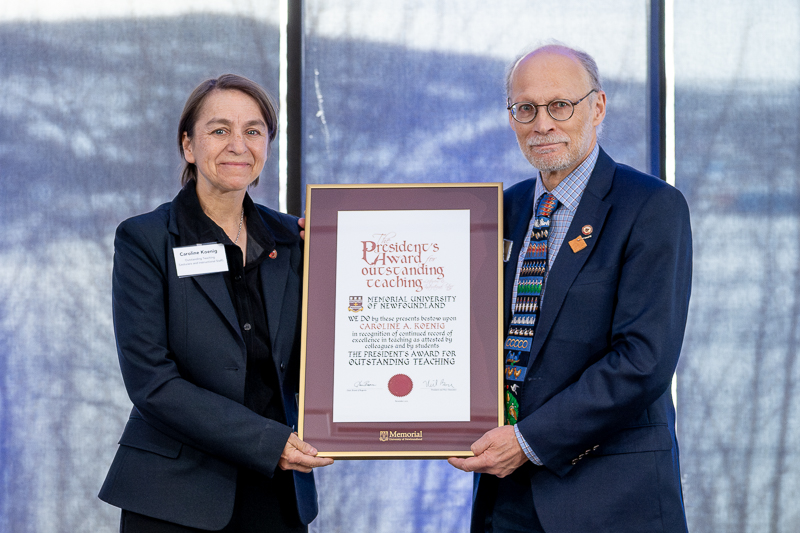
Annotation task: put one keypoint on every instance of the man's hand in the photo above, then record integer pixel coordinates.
(498, 452)
(302, 223)
(301, 456)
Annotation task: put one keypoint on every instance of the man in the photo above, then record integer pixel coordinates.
(589, 444)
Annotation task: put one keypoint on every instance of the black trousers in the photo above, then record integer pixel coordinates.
(262, 505)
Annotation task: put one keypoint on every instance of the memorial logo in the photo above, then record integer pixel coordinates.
(356, 304)
(400, 435)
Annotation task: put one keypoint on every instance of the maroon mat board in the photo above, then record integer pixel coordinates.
(381, 440)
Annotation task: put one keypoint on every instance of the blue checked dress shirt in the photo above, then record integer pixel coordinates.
(568, 193)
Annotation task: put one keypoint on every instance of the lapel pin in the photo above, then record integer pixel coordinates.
(273, 254)
(579, 243)
(507, 245)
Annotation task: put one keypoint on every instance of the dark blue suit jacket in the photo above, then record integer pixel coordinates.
(183, 360)
(596, 405)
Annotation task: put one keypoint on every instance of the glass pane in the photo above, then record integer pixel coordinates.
(90, 96)
(413, 91)
(737, 136)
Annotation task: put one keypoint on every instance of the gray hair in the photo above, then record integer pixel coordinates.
(587, 61)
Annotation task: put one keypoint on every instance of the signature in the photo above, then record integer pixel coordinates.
(438, 384)
(436, 284)
(364, 384)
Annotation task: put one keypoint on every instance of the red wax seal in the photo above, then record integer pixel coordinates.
(400, 385)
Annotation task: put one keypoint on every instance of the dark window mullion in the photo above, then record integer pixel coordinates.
(656, 89)
(294, 108)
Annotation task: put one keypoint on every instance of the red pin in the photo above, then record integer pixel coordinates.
(273, 254)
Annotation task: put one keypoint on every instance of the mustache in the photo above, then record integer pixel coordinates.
(548, 139)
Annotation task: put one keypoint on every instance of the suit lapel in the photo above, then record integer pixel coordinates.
(274, 273)
(593, 211)
(212, 285)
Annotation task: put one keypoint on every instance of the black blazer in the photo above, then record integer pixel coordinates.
(183, 360)
(596, 405)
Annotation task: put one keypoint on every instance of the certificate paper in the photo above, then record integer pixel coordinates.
(402, 316)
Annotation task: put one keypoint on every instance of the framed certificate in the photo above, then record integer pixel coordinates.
(402, 318)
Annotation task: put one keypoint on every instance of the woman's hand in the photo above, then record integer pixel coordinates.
(301, 456)
(302, 223)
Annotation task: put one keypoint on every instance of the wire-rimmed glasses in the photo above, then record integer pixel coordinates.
(561, 110)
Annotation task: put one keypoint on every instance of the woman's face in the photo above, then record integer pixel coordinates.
(230, 142)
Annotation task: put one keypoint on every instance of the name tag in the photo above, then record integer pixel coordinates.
(200, 259)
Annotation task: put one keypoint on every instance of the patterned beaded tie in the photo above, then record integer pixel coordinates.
(517, 347)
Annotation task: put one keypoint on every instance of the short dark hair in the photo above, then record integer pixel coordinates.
(226, 82)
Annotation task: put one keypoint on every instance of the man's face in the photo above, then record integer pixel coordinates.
(555, 147)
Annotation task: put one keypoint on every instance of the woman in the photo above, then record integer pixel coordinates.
(206, 300)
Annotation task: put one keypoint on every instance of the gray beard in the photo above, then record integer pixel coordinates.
(546, 163)
(540, 163)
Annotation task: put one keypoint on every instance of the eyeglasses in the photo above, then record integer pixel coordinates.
(561, 110)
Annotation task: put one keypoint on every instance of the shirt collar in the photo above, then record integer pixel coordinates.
(196, 227)
(571, 188)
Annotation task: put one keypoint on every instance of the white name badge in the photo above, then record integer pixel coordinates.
(200, 259)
